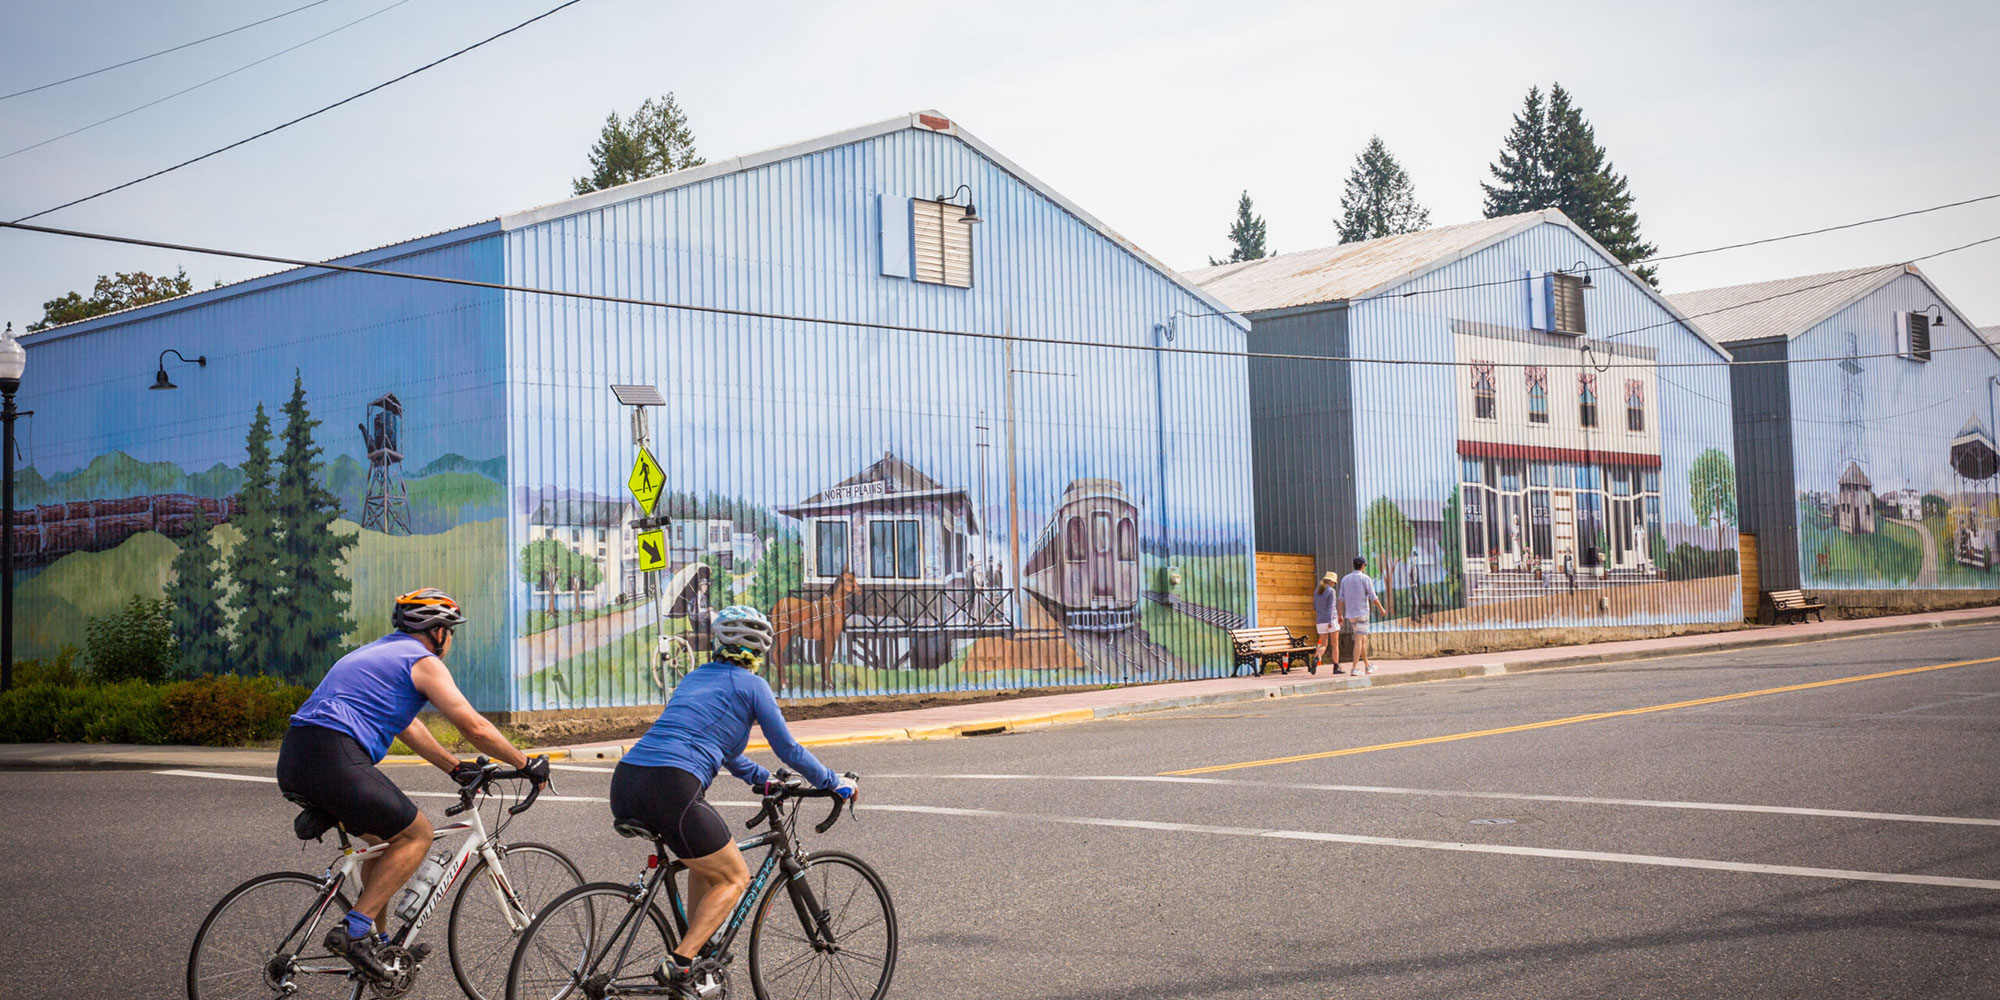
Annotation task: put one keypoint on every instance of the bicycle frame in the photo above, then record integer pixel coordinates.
(348, 866)
(779, 859)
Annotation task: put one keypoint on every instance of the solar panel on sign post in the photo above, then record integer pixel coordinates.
(638, 395)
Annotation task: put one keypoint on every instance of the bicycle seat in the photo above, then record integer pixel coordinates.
(312, 822)
(634, 828)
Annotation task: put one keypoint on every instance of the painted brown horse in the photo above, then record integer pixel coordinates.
(819, 621)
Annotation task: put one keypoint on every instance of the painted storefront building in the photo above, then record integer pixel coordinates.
(1486, 413)
(1865, 412)
(917, 342)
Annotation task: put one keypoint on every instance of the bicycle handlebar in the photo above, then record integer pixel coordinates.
(488, 773)
(792, 787)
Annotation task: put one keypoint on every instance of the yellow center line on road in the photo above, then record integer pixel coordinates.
(1572, 720)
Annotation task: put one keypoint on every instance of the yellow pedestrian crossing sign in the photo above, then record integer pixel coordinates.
(652, 550)
(646, 481)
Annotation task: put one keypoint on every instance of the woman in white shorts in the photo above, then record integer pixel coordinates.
(1326, 612)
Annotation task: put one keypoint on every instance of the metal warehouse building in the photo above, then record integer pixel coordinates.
(1865, 416)
(1495, 416)
(1045, 499)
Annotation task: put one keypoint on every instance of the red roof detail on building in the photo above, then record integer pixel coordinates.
(1541, 453)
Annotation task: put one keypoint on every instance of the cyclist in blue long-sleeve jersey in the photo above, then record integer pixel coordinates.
(661, 781)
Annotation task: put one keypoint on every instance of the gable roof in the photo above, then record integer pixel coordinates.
(1370, 268)
(923, 121)
(1786, 307)
(1353, 270)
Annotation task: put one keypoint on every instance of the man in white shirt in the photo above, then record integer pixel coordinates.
(1357, 591)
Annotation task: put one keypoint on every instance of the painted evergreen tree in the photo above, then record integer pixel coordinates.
(314, 601)
(254, 563)
(1551, 159)
(195, 604)
(1246, 235)
(1379, 200)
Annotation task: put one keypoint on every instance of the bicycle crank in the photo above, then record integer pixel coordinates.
(403, 965)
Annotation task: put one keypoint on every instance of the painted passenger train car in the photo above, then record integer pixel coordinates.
(1086, 562)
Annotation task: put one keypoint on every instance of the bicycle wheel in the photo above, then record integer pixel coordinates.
(674, 660)
(481, 935)
(578, 939)
(784, 960)
(266, 935)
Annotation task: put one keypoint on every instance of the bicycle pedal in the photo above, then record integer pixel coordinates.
(419, 952)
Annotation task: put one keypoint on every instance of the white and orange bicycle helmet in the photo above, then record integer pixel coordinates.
(424, 609)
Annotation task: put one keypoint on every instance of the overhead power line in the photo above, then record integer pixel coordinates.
(310, 114)
(933, 331)
(204, 83)
(149, 55)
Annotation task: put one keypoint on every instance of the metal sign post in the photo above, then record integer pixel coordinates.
(646, 482)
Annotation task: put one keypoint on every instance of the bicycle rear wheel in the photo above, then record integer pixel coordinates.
(581, 938)
(266, 935)
(851, 956)
(481, 934)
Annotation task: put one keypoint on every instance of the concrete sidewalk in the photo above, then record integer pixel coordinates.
(1031, 713)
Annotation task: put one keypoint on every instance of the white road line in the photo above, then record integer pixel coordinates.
(580, 767)
(219, 774)
(1439, 845)
(1451, 793)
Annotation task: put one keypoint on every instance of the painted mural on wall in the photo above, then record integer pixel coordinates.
(922, 539)
(1896, 465)
(275, 563)
(1535, 484)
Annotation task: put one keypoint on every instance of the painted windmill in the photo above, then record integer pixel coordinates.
(385, 502)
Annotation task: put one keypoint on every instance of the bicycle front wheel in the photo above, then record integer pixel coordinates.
(495, 906)
(834, 936)
(590, 938)
(265, 939)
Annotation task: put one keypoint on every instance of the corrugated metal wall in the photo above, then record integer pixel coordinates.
(1440, 476)
(1302, 434)
(98, 433)
(763, 416)
(1895, 421)
(1764, 478)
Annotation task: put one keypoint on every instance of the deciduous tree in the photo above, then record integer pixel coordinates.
(112, 292)
(1387, 536)
(1712, 488)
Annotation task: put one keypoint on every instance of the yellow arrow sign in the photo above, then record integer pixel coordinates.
(652, 550)
(646, 481)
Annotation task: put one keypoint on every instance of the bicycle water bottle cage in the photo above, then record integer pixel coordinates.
(312, 822)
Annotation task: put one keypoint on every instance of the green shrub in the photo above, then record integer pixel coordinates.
(1688, 562)
(124, 712)
(60, 670)
(134, 642)
(228, 710)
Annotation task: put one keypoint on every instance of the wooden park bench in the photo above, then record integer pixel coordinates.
(1258, 648)
(1794, 605)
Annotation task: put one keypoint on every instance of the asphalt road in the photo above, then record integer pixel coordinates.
(1802, 843)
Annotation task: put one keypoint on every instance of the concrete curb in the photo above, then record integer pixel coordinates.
(138, 758)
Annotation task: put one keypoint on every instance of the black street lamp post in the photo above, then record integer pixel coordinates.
(13, 360)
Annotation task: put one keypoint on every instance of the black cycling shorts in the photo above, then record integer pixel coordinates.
(331, 769)
(669, 802)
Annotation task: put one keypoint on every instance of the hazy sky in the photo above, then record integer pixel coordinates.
(1733, 121)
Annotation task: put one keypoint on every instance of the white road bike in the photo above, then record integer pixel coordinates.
(265, 939)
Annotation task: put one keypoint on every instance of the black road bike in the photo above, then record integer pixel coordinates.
(833, 935)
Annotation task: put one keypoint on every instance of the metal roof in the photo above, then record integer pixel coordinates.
(1352, 270)
(926, 121)
(1785, 308)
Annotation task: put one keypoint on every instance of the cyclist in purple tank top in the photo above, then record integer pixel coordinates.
(369, 698)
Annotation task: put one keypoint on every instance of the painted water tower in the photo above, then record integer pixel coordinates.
(385, 502)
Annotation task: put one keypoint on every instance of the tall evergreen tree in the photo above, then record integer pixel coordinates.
(1379, 200)
(655, 140)
(1552, 160)
(314, 599)
(1246, 235)
(195, 604)
(254, 564)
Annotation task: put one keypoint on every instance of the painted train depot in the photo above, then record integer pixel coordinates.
(917, 511)
(1520, 435)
